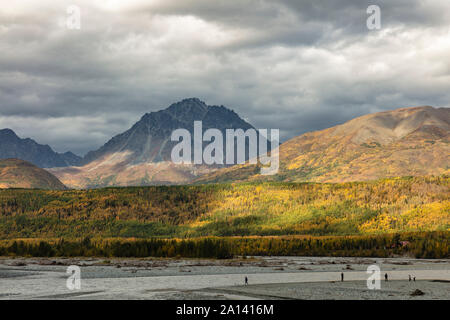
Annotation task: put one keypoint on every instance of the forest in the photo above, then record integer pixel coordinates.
(419, 245)
(409, 205)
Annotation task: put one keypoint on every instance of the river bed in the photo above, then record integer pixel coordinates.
(268, 278)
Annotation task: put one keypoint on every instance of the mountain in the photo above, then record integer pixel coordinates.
(16, 173)
(142, 154)
(148, 140)
(404, 142)
(11, 146)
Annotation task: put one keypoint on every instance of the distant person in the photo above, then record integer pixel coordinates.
(342, 277)
(414, 279)
(409, 277)
(385, 277)
(246, 281)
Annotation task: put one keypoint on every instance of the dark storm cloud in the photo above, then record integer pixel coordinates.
(294, 22)
(294, 65)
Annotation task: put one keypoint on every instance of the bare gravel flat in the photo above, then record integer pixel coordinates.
(269, 278)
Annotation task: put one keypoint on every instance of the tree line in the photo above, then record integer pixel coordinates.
(420, 245)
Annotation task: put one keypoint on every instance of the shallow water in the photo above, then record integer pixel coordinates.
(269, 277)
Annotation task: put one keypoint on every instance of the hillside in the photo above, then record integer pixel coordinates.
(359, 208)
(15, 173)
(142, 154)
(403, 142)
(11, 146)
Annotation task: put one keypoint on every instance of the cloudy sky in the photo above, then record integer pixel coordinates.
(293, 65)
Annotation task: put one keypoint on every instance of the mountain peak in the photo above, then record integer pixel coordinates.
(12, 146)
(389, 126)
(187, 107)
(8, 133)
(413, 108)
(149, 139)
(188, 103)
(192, 100)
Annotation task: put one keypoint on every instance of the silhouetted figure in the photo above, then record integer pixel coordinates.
(246, 281)
(409, 277)
(385, 277)
(414, 279)
(342, 276)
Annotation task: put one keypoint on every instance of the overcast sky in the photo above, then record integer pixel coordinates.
(293, 65)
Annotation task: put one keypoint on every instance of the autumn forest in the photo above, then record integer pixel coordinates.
(278, 215)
